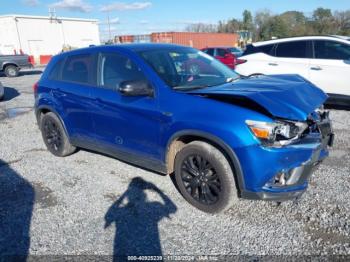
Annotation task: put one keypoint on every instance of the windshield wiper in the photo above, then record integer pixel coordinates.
(231, 79)
(189, 88)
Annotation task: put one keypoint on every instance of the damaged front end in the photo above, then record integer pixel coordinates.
(296, 154)
(285, 132)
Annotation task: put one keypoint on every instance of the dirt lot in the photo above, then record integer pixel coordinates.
(77, 205)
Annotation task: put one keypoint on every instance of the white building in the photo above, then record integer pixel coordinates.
(45, 36)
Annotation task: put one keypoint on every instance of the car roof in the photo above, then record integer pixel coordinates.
(129, 47)
(296, 38)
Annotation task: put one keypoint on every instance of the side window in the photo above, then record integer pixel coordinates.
(250, 49)
(295, 49)
(210, 51)
(55, 73)
(78, 69)
(331, 50)
(266, 49)
(115, 69)
(221, 52)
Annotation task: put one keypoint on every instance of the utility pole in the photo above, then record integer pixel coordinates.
(109, 27)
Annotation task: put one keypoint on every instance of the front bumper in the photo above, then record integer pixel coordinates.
(301, 176)
(294, 163)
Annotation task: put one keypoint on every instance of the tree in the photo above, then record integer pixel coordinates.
(266, 25)
(297, 23)
(342, 22)
(201, 28)
(231, 26)
(247, 23)
(323, 21)
(262, 21)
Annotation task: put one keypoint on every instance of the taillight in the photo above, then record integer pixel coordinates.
(240, 61)
(31, 60)
(35, 87)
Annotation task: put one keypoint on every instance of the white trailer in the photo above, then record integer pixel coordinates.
(45, 36)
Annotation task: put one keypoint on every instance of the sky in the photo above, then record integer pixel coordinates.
(146, 16)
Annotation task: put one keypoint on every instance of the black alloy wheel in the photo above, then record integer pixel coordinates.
(204, 177)
(200, 179)
(53, 135)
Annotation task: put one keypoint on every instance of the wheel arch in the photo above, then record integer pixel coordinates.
(181, 138)
(42, 110)
(5, 64)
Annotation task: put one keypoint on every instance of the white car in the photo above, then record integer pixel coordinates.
(323, 60)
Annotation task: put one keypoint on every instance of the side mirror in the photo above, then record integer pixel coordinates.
(136, 88)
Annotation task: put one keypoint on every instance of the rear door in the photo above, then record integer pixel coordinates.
(291, 58)
(330, 68)
(257, 60)
(72, 85)
(128, 124)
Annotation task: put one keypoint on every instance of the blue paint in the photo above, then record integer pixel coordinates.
(144, 126)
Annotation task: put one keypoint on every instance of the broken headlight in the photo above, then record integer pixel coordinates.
(277, 133)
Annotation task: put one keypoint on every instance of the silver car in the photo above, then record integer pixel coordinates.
(1, 92)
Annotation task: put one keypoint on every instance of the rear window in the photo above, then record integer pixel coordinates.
(295, 49)
(78, 69)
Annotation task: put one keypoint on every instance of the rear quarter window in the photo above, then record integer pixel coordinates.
(78, 69)
(266, 49)
(55, 73)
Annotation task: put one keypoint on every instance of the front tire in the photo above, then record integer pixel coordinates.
(54, 136)
(205, 178)
(11, 71)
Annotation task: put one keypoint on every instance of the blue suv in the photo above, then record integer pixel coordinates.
(178, 111)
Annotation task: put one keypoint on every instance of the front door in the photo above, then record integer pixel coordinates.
(128, 124)
(330, 68)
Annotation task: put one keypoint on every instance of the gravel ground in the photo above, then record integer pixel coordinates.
(73, 205)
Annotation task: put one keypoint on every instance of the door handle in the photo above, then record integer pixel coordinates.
(316, 68)
(273, 64)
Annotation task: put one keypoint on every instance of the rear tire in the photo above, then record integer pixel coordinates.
(205, 178)
(11, 71)
(54, 136)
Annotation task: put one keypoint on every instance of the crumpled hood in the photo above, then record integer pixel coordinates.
(284, 96)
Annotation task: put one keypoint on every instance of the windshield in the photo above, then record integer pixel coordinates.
(188, 68)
